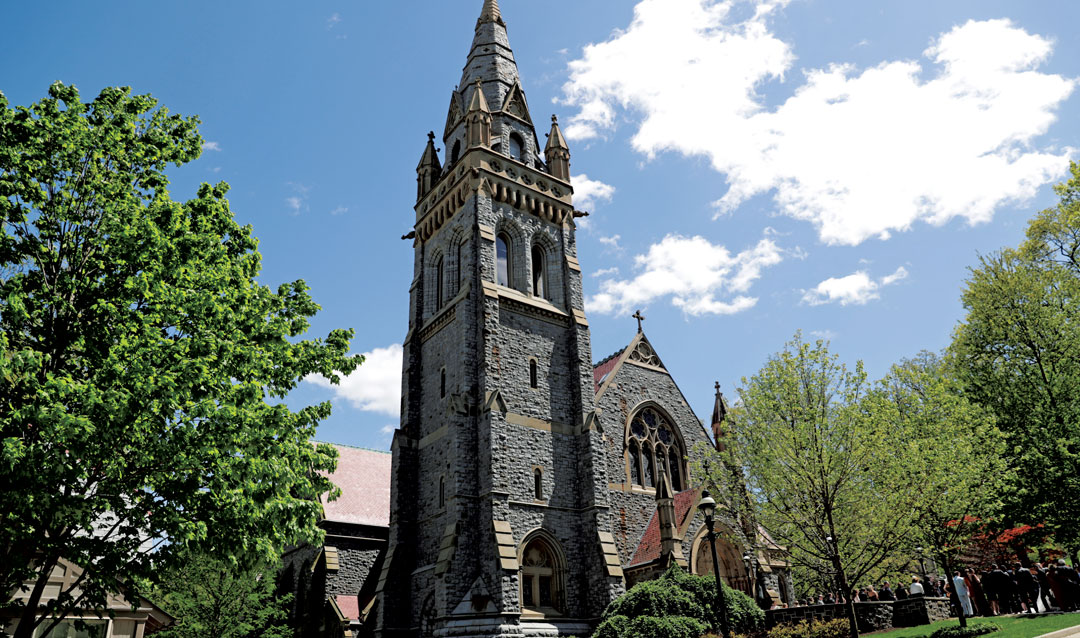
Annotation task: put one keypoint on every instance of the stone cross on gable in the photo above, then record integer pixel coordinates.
(640, 317)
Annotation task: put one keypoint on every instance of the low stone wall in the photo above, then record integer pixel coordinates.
(872, 616)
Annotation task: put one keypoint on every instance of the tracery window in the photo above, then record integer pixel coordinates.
(652, 449)
(541, 577)
(503, 260)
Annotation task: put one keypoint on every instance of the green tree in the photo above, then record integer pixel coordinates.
(819, 469)
(212, 597)
(954, 449)
(143, 365)
(1018, 353)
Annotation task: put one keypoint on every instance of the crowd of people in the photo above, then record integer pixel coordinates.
(992, 592)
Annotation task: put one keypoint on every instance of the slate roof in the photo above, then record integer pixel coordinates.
(364, 478)
(603, 368)
(648, 548)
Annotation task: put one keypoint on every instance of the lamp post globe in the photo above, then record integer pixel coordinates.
(707, 506)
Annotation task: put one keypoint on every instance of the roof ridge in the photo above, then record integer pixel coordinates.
(609, 357)
(352, 447)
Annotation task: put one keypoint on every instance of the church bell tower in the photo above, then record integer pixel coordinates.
(500, 521)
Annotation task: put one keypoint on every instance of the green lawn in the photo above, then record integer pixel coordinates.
(1011, 626)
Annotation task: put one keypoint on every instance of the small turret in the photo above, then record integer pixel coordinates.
(429, 168)
(557, 153)
(478, 119)
(670, 544)
(718, 414)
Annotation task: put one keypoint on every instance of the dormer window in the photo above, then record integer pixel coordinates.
(517, 147)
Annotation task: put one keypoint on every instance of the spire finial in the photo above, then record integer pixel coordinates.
(554, 119)
(640, 317)
(431, 136)
(491, 12)
(717, 388)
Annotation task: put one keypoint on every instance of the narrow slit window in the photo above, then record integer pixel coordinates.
(442, 383)
(538, 484)
(442, 492)
(532, 373)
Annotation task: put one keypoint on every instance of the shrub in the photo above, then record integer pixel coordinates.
(675, 605)
(956, 631)
(744, 615)
(837, 628)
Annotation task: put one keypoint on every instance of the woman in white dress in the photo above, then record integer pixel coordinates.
(960, 587)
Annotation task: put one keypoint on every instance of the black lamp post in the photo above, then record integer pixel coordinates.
(708, 508)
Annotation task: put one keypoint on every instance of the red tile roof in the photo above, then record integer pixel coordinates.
(364, 479)
(349, 606)
(648, 549)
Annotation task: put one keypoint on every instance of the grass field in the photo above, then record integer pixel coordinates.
(1011, 626)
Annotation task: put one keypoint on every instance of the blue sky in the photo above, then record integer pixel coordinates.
(753, 167)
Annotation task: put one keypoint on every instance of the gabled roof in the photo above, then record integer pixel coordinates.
(648, 548)
(364, 479)
(604, 371)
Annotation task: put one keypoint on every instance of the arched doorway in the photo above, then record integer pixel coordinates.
(541, 576)
(732, 569)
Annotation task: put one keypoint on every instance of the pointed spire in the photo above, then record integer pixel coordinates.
(490, 13)
(490, 57)
(557, 154)
(478, 119)
(719, 413)
(429, 168)
(478, 101)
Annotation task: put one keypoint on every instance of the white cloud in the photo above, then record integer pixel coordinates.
(614, 270)
(294, 203)
(340, 210)
(857, 288)
(299, 202)
(858, 153)
(824, 335)
(612, 241)
(333, 21)
(589, 192)
(388, 429)
(694, 273)
(211, 146)
(373, 387)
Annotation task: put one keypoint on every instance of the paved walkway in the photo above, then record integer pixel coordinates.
(1068, 632)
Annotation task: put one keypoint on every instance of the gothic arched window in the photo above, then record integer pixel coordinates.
(456, 153)
(439, 272)
(460, 264)
(541, 577)
(654, 449)
(538, 275)
(517, 147)
(503, 262)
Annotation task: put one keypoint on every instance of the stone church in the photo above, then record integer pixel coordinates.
(527, 487)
